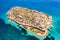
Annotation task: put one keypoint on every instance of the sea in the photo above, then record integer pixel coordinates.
(11, 31)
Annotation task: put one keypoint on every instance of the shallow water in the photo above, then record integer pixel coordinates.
(12, 31)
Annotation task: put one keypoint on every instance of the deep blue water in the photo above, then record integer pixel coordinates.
(9, 32)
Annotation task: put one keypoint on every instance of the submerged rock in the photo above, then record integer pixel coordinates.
(47, 38)
(9, 32)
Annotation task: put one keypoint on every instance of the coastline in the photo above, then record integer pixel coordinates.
(28, 9)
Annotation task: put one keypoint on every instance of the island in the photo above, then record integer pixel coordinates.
(33, 20)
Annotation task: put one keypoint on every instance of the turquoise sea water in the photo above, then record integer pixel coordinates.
(51, 8)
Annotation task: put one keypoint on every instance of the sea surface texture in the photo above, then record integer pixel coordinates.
(11, 31)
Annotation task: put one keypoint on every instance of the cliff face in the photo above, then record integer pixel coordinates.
(37, 22)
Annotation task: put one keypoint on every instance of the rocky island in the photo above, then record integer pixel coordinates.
(32, 20)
